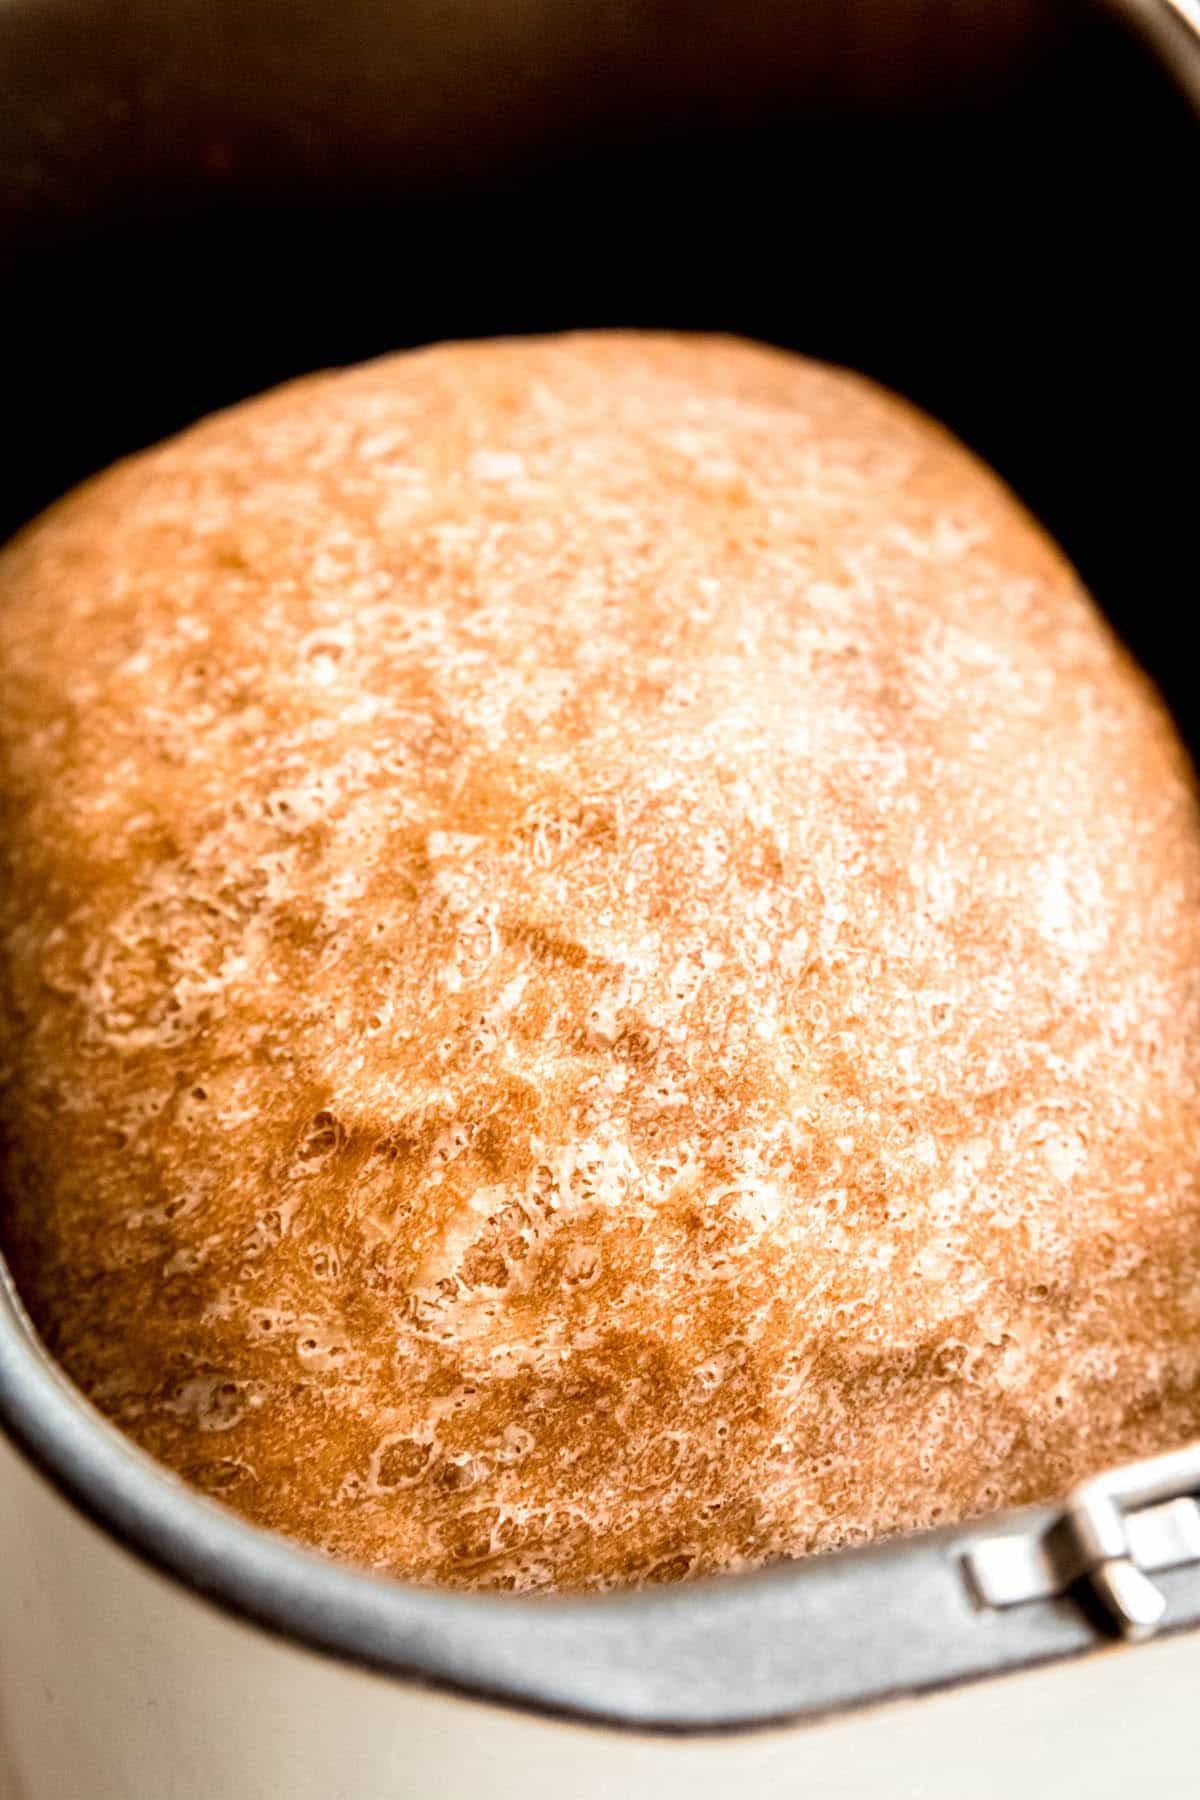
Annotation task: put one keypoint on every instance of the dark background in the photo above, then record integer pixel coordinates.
(1015, 254)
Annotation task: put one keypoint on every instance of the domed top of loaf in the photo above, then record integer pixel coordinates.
(601, 969)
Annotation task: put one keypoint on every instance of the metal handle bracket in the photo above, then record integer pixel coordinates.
(1114, 1532)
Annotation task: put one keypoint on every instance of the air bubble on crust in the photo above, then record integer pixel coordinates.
(471, 1536)
(292, 810)
(270, 1228)
(459, 1474)
(186, 1260)
(426, 1312)
(709, 1377)
(320, 1347)
(325, 1262)
(194, 1107)
(476, 946)
(686, 978)
(185, 1203)
(143, 1109)
(581, 1266)
(323, 1137)
(550, 830)
(214, 1402)
(847, 1316)
(323, 651)
(658, 1463)
(268, 1323)
(222, 1477)
(603, 1027)
(672, 1568)
(514, 1445)
(450, 1144)
(400, 1461)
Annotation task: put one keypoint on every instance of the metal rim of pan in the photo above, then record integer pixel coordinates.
(789, 1644)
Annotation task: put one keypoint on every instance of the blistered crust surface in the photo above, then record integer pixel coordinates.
(601, 969)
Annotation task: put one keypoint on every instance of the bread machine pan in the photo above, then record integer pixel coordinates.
(195, 203)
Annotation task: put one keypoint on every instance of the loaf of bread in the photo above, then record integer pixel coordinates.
(600, 958)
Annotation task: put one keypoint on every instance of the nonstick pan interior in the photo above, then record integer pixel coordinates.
(1018, 265)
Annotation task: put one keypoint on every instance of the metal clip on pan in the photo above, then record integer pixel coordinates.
(1114, 1532)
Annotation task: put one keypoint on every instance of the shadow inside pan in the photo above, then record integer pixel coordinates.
(1019, 269)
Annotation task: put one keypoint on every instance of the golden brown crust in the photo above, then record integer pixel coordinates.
(601, 969)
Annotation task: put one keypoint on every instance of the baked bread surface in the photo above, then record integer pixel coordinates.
(600, 959)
